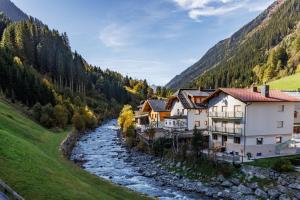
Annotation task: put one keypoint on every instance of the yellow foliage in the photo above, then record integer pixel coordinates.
(18, 61)
(298, 68)
(126, 118)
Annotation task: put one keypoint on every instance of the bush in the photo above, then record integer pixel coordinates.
(47, 118)
(283, 165)
(78, 122)
(37, 111)
(61, 116)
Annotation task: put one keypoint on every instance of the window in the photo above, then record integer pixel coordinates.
(197, 123)
(206, 123)
(281, 108)
(237, 108)
(295, 114)
(215, 137)
(278, 139)
(214, 109)
(258, 154)
(280, 124)
(224, 108)
(178, 112)
(173, 123)
(237, 140)
(182, 111)
(259, 141)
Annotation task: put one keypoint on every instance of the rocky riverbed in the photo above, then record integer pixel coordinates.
(102, 152)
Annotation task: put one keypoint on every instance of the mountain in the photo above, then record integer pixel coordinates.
(12, 11)
(230, 62)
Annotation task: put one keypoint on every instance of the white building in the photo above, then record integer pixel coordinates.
(250, 123)
(296, 114)
(187, 111)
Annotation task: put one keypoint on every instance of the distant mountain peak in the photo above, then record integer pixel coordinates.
(12, 11)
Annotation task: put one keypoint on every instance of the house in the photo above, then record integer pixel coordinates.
(187, 110)
(152, 113)
(251, 123)
(296, 114)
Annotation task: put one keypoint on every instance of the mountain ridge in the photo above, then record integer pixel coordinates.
(223, 49)
(13, 12)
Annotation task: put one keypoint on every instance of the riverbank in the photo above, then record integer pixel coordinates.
(105, 154)
(32, 164)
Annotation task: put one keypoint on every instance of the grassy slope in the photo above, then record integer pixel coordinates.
(288, 83)
(32, 164)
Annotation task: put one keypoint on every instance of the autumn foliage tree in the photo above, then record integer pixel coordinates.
(126, 118)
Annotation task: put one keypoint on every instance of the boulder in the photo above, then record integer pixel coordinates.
(245, 190)
(274, 194)
(249, 197)
(226, 184)
(294, 186)
(284, 197)
(221, 178)
(253, 185)
(260, 193)
(235, 181)
(282, 189)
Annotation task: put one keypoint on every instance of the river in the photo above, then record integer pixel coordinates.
(103, 153)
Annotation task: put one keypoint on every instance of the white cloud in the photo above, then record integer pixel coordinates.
(115, 36)
(199, 8)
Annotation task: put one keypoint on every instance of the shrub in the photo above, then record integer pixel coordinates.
(47, 118)
(78, 122)
(36, 111)
(283, 165)
(61, 116)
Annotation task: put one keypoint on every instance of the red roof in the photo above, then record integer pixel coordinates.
(247, 95)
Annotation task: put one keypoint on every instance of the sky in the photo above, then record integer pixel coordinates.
(144, 39)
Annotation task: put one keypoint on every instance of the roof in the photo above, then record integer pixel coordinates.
(247, 95)
(183, 96)
(157, 105)
(197, 93)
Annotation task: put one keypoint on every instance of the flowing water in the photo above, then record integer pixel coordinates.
(105, 155)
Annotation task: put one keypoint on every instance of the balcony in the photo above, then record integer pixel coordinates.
(226, 131)
(226, 115)
(175, 123)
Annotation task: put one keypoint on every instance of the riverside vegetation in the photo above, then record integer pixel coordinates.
(32, 164)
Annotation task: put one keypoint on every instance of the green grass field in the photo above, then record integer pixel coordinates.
(31, 163)
(287, 83)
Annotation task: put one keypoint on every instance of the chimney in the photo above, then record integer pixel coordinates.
(254, 88)
(265, 89)
(200, 88)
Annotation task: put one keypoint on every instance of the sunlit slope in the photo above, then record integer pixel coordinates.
(31, 163)
(287, 83)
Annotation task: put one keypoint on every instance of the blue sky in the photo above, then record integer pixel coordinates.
(152, 39)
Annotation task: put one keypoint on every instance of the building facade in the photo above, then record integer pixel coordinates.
(251, 123)
(187, 110)
(152, 114)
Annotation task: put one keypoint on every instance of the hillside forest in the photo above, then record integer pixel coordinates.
(38, 69)
(268, 52)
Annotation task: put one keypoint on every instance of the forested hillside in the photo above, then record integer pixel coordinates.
(39, 69)
(230, 63)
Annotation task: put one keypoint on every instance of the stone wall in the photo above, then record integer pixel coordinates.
(69, 142)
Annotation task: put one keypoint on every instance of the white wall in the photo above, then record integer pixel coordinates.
(175, 106)
(193, 117)
(262, 119)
